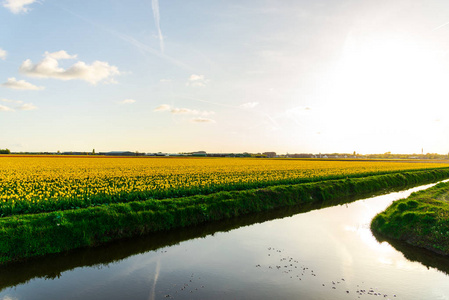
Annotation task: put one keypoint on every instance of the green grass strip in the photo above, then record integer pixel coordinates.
(29, 235)
(83, 201)
(421, 220)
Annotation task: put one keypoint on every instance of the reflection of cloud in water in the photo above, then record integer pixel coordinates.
(388, 254)
(368, 239)
(404, 264)
(156, 277)
(9, 298)
(385, 261)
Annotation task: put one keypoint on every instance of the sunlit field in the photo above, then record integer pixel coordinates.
(38, 184)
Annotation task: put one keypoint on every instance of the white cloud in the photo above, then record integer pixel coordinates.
(162, 107)
(12, 83)
(128, 101)
(195, 77)
(176, 111)
(5, 108)
(197, 80)
(249, 105)
(20, 105)
(189, 111)
(12, 101)
(3, 54)
(49, 68)
(61, 54)
(18, 6)
(183, 111)
(27, 106)
(202, 120)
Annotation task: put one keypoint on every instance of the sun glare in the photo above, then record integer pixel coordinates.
(384, 88)
(387, 70)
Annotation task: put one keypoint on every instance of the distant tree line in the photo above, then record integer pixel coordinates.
(5, 151)
(389, 155)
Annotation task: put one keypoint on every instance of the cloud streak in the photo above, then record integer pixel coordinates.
(5, 108)
(188, 111)
(249, 105)
(127, 101)
(27, 106)
(182, 111)
(18, 6)
(12, 101)
(49, 68)
(200, 115)
(202, 120)
(19, 105)
(162, 107)
(441, 26)
(157, 21)
(13, 83)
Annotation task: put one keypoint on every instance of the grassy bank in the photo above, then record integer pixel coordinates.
(47, 184)
(421, 220)
(28, 235)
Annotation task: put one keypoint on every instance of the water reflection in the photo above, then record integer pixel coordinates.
(51, 266)
(414, 254)
(156, 277)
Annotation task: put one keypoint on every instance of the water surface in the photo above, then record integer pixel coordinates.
(327, 253)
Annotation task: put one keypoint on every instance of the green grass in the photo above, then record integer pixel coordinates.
(421, 220)
(29, 235)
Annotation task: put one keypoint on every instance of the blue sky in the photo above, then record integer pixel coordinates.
(224, 76)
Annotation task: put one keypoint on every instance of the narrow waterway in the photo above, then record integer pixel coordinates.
(324, 253)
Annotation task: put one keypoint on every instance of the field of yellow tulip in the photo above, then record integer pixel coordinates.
(30, 184)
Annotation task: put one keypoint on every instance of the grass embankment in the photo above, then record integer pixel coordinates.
(46, 184)
(421, 220)
(24, 236)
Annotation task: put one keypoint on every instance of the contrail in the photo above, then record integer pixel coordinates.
(139, 45)
(273, 121)
(441, 26)
(155, 4)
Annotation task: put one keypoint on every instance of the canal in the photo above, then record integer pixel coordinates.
(316, 252)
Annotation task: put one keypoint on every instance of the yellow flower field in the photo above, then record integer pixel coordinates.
(78, 181)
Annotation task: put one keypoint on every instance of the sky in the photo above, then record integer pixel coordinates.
(290, 76)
